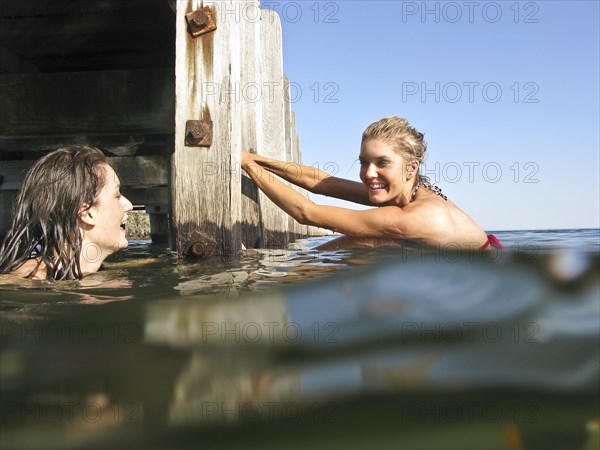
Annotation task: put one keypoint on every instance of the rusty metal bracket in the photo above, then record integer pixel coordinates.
(198, 133)
(199, 246)
(201, 21)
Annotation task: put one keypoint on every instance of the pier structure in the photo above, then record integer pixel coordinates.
(171, 91)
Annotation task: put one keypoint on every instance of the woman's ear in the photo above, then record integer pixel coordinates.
(87, 214)
(412, 169)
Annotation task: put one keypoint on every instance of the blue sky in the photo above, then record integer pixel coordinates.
(505, 92)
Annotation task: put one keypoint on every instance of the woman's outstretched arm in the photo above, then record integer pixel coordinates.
(312, 179)
(387, 221)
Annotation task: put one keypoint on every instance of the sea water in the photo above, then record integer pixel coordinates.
(303, 348)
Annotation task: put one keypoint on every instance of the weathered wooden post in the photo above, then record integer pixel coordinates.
(291, 154)
(230, 93)
(251, 92)
(275, 221)
(206, 191)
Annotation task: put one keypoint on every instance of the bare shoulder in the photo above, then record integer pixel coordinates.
(431, 207)
(444, 221)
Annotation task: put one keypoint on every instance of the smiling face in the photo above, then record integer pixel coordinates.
(385, 174)
(104, 223)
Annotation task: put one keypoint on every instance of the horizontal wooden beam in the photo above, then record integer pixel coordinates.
(134, 172)
(139, 171)
(75, 8)
(148, 196)
(71, 103)
(118, 145)
(10, 62)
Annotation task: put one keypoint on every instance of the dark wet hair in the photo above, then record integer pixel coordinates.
(45, 213)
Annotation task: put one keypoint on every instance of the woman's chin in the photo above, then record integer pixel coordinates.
(378, 198)
(123, 241)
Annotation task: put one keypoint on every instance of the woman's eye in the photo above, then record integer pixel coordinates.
(383, 163)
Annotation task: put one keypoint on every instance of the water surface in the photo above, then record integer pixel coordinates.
(299, 348)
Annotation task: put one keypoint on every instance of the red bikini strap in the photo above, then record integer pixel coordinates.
(493, 240)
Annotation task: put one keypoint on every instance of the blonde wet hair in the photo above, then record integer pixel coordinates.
(404, 139)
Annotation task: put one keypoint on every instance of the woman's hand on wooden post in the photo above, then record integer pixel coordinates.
(249, 165)
(246, 158)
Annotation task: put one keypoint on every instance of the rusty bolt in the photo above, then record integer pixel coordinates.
(198, 250)
(198, 246)
(195, 133)
(198, 133)
(201, 21)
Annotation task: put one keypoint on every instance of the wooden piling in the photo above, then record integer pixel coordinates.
(206, 191)
(232, 76)
(251, 92)
(276, 222)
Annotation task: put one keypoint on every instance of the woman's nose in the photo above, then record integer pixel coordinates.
(127, 205)
(371, 172)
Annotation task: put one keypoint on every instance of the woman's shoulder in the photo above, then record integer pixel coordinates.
(439, 214)
(429, 203)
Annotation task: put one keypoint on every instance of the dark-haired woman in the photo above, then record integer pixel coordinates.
(68, 217)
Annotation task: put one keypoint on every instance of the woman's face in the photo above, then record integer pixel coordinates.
(109, 215)
(383, 172)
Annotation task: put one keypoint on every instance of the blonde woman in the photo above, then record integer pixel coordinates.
(407, 205)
